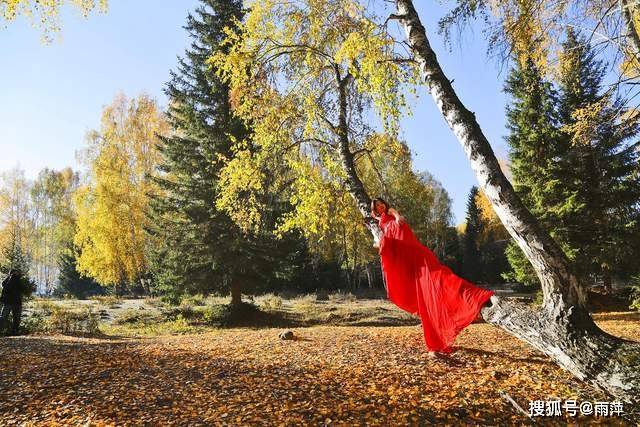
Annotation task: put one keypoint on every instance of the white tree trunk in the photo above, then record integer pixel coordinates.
(562, 328)
(632, 34)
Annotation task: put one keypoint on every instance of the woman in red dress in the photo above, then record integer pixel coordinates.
(419, 284)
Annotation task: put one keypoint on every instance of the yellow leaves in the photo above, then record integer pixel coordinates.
(525, 24)
(492, 226)
(241, 180)
(286, 65)
(583, 130)
(351, 375)
(112, 208)
(45, 13)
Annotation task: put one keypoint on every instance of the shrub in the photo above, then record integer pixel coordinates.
(342, 297)
(156, 302)
(66, 321)
(271, 302)
(213, 314)
(304, 300)
(197, 300)
(184, 310)
(35, 323)
(43, 306)
(132, 315)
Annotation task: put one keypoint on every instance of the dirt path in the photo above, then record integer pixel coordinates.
(330, 375)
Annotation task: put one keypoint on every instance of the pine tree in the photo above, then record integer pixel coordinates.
(471, 255)
(599, 217)
(532, 123)
(197, 247)
(573, 165)
(70, 282)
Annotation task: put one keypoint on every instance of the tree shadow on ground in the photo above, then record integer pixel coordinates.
(250, 315)
(543, 360)
(165, 384)
(621, 315)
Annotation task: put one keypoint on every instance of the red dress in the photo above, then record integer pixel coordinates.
(419, 284)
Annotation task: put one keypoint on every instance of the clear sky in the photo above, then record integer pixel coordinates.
(51, 95)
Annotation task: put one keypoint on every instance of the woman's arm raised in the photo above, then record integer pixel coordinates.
(395, 213)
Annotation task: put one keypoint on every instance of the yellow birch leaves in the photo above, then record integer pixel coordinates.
(112, 205)
(286, 65)
(46, 13)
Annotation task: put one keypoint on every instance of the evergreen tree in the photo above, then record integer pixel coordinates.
(471, 255)
(70, 282)
(598, 209)
(533, 134)
(574, 166)
(452, 255)
(12, 257)
(197, 248)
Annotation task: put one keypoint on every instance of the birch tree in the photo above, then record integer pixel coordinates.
(112, 204)
(562, 328)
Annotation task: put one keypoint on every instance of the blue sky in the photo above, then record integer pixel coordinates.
(51, 95)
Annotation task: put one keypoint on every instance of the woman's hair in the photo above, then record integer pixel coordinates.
(373, 206)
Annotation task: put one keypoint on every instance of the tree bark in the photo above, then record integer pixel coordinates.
(236, 294)
(353, 182)
(632, 34)
(563, 328)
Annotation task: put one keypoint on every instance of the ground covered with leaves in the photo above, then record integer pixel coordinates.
(328, 375)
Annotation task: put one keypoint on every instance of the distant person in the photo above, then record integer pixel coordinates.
(11, 299)
(419, 283)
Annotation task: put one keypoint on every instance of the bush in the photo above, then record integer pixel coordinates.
(156, 302)
(184, 310)
(43, 306)
(197, 300)
(35, 323)
(271, 302)
(213, 314)
(135, 316)
(342, 297)
(304, 300)
(370, 293)
(66, 321)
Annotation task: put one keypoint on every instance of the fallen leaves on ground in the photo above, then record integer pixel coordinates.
(328, 375)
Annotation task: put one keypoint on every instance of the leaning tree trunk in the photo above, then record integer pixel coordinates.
(353, 183)
(563, 328)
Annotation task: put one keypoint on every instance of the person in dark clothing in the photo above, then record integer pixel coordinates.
(11, 299)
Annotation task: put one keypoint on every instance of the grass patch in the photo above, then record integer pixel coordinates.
(342, 297)
(178, 326)
(133, 316)
(197, 300)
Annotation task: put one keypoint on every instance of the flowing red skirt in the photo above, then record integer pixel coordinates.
(418, 283)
